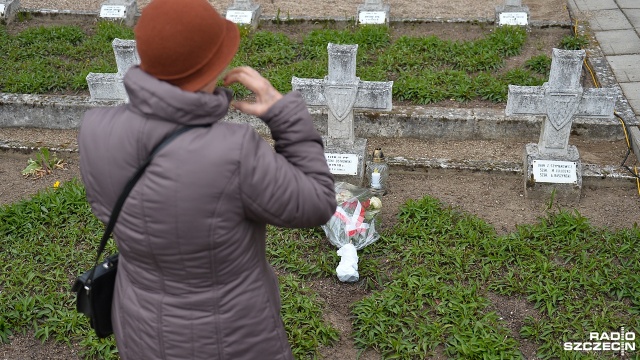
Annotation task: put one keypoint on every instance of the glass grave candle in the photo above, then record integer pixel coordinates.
(377, 173)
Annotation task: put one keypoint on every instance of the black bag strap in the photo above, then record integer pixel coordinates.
(129, 186)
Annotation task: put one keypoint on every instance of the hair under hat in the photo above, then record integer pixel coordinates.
(185, 42)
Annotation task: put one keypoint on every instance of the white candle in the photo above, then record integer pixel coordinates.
(375, 180)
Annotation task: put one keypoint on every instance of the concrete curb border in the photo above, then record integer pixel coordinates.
(589, 171)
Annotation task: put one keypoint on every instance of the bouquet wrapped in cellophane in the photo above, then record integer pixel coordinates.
(352, 226)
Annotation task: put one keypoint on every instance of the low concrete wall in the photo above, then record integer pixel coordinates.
(65, 112)
(479, 123)
(43, 111)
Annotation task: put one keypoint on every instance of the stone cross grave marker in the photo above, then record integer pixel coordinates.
(553, 163)
(119, 10)
(373, 12)
(8, 8)
(110, 86)
(342, 91)
(512, 13)
(244, 12)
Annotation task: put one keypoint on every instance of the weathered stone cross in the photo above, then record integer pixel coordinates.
(8, 8)
(342, 91)
(119, 10)
(373, 3)
(373, 12)
(243, 4)
(106, 86)
(244, 12)
(512, 13)
(561, 100)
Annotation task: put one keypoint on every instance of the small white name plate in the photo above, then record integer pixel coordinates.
(372, 17)
(513, 18)
(239, 16)
(559, 172)
(1, 9)
(113, 11)
(342, 164)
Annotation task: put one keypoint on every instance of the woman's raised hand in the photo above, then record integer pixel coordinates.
(266, 94)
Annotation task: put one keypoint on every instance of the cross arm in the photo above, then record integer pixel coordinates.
(374, 95)
(597, 102)
(126, 54)
(312, 90)
(525, 100)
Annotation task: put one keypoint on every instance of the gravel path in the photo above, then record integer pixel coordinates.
(542, 10)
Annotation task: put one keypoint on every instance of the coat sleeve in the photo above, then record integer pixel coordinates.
(291, 186)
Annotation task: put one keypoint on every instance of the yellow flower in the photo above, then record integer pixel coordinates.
(56, 184)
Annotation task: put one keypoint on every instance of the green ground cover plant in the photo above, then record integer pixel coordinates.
(45, 163)
(47, 240)
(429, 281)
(425, 69)
(574, 42)
(444, 263)
(42, 60)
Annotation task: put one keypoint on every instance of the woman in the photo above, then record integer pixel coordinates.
(193, 281)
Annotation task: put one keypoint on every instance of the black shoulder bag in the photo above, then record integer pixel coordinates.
(95, 287)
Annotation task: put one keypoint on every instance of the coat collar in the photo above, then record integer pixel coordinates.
(154, 98)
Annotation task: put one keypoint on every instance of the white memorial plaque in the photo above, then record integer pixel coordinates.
(113, 11)
(372, 17)
(342, 164)
(1, 9)
(239, 16)
(513, 18)
(559, 172)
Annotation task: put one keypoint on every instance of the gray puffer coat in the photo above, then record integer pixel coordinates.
(193, 281)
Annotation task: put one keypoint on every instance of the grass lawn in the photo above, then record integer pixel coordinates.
(425, 69)
(429, 279)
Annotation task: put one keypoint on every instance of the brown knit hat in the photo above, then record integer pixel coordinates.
(185, 42)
